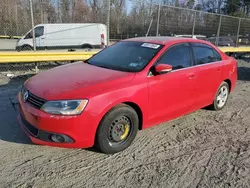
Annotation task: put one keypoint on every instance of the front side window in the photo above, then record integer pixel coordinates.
(29, 35)
(178, 57)
(127, 56)
(204, 54)
(39, 31)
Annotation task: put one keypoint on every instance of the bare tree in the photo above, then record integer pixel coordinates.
(215, 6)
(95, 6)
(118, 6)
(80, 12)
(65, 10)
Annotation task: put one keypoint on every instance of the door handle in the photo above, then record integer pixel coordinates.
(218, 69)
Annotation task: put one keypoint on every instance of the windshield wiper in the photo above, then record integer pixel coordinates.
(102, 66)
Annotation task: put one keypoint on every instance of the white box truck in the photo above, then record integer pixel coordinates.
(65, 36)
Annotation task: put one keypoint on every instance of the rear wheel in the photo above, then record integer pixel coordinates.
(87, 47)
(117, 130)
(221, 97)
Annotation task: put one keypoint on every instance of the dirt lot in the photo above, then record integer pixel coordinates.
(203, 149)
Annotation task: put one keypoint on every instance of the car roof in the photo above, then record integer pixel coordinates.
(163, 40)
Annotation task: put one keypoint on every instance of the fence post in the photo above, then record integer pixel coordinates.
(218, 32)
(194, 24)
(238, 32)
(158, 20)
(149, 27)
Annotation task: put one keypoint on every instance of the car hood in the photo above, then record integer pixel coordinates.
(77, 80)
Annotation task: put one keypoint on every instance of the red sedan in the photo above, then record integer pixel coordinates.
(131, 85)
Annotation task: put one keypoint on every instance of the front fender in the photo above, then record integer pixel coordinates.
(138, 95)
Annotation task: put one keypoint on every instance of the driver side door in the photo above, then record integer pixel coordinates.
(172, 94)
(28, 39)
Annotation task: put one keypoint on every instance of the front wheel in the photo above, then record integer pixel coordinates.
(27, 48)
(117, 130)
(221, 97)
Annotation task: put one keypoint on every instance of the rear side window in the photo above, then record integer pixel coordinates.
(178, 57)
(204, 54)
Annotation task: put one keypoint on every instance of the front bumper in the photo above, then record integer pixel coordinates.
(41, 134)
(77, 131)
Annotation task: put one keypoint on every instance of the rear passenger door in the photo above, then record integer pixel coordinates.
(209, 75)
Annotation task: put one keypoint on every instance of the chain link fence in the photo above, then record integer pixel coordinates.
(144, 19)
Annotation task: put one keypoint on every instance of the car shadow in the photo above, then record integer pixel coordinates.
(244, 73)
(10, 130)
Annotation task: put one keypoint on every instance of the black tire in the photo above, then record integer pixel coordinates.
(87, 47)
(27, 48)
(215, 106)
(117, 116)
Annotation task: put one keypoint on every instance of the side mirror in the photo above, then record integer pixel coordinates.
(163, 68)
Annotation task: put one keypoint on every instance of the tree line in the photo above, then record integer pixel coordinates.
(128, 17)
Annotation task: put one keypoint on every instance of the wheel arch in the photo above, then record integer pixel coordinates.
(228, 81)
(26, 45)
(138, 111)
(131, 104)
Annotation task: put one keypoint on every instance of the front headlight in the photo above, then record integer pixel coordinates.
(65, 107)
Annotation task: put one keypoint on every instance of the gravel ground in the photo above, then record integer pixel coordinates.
(203, 149)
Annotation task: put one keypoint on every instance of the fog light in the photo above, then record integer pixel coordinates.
(57, 138)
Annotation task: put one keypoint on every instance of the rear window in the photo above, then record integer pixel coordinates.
(128, 56)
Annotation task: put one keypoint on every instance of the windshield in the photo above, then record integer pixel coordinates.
(127, 56)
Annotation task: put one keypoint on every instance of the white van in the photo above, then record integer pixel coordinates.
(65, 36)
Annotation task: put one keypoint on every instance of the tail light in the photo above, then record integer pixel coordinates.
(102, 40)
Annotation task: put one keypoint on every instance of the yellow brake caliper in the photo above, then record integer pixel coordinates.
(125, 134)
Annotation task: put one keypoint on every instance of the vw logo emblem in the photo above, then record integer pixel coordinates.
(26, 96)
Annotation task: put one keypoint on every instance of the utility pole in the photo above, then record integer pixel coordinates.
(33, 26)
(41, 11)
(59, 11)
(158, 19)
(73, 10)
(108, 20)
(33, 31)
(17, 29)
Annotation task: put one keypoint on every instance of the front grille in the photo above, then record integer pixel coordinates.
(32, 130)
(35, 101)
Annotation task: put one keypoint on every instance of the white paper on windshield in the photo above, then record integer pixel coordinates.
(149, 45)
(133, 64)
